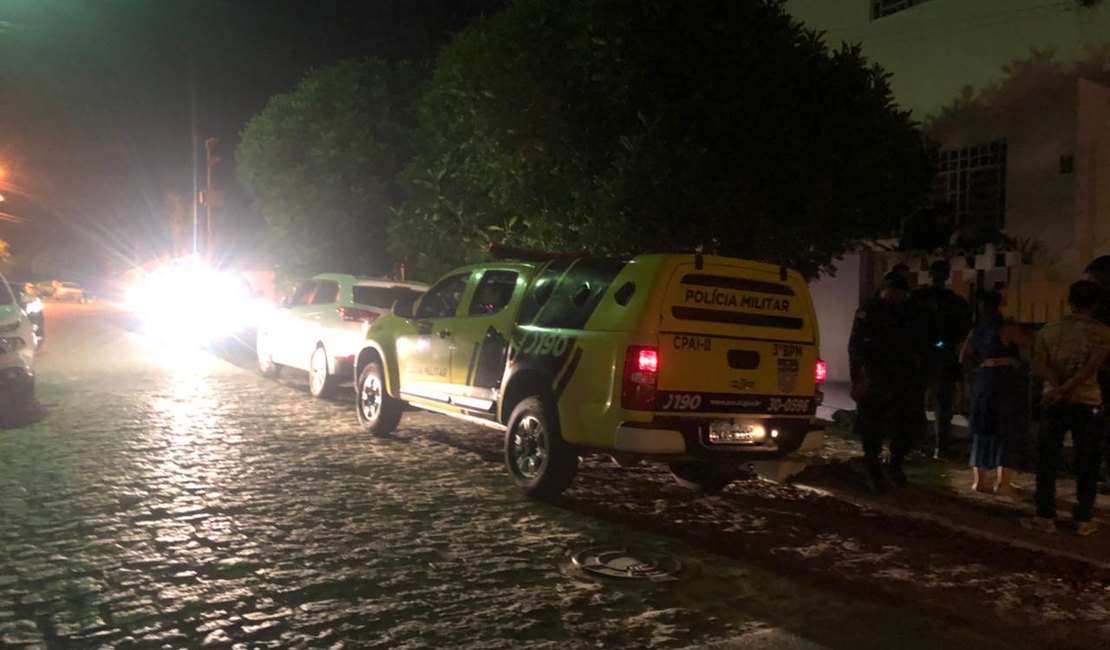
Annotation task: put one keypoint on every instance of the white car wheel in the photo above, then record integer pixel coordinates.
(320, 383)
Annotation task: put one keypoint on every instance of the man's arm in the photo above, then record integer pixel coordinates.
(967, 351)
(856, 343)
(1094, 364)
(1040, 366)
(861, 327)
(966, 317)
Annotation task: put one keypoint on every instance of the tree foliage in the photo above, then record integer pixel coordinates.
(322, 162)
(613, 127)
(1036, 90)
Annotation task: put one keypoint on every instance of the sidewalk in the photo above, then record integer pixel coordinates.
(940, 492)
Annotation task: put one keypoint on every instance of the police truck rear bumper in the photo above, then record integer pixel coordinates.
(691, 439)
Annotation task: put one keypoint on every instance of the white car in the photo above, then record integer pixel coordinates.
(322, 328)
(17, 350)
(70, 291)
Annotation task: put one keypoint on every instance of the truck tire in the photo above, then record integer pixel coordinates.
(541, 463)
(378, 413)
(701, 476)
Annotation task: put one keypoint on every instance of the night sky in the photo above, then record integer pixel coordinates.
(99, 101)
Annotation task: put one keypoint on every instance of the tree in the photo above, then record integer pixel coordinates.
(1034, 91)
(322, 162)
(614, 128)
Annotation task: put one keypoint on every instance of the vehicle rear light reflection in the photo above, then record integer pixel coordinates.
(356, 315)
(820, 372)
(641, 375)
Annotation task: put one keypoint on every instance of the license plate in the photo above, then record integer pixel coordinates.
(730, 432)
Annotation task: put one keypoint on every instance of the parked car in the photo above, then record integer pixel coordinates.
(705, 363)
(17, 350)
(44, 289)
(322, 327)
(70, 291)
(29, 299)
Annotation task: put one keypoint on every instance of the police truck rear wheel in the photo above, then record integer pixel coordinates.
(539, 460)
(701, 476)
(378, 413)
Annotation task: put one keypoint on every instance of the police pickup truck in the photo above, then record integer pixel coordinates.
(705, 363)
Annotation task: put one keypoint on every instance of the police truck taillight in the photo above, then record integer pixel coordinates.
(356, 315)
(820, 371)
(641, 375)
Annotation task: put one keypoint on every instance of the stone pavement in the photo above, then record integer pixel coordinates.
(167, 499)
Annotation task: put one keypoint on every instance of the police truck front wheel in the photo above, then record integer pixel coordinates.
(539, 460)
(702, 476)
(378, 413)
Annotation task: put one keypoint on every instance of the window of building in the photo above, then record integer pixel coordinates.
(881, 8)
(972, 181)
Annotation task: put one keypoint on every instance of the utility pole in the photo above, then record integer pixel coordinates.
(210, 197)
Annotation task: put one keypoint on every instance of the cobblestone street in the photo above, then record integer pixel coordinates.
(168, 498)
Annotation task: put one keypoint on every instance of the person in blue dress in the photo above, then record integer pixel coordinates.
(998, 418)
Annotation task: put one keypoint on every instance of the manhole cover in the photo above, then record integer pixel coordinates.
(628, 563)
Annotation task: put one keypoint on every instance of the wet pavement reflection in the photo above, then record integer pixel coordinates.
(171, 499)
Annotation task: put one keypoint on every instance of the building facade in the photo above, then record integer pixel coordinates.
(1033, 165)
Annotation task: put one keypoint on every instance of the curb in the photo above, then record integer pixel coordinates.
(893, 511)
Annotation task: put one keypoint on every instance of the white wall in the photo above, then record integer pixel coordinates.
(836, 300)
(937, 48)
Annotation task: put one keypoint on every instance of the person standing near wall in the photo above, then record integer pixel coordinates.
(886, 380)
(1098, 271)
(945, 319)
(1069, 353)
(999, 416)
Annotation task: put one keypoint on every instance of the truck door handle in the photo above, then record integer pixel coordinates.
(443, 334)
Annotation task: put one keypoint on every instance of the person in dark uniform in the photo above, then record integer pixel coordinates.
(886, 380)
(944, 319)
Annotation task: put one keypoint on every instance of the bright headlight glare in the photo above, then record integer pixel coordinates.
(192, 302)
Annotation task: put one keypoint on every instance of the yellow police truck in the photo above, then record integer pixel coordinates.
(705, 363)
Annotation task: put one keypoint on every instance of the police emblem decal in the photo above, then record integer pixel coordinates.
(788, 374)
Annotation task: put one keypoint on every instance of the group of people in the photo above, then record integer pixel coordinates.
(909, 350)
